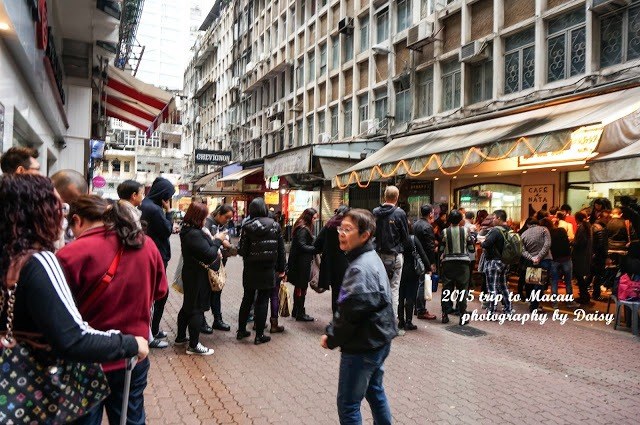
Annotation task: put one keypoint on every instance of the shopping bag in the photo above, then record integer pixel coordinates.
(535, 276)
(428, 289)
(314, 279)
(177, 277)
(283, 296)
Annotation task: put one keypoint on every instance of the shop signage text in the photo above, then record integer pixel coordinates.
(537, 197)
(582, 146)
(212, 157)
(293, 162)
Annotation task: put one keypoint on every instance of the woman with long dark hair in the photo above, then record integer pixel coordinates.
(106, 234)
(262, 250)
(581, 256)
(199, 251)
(218, 222)
(334, 263)
(31, 278)
(300, 258)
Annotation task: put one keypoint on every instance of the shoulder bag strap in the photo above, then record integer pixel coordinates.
(88, 297)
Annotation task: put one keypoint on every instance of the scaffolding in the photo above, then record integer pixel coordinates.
(129, 21)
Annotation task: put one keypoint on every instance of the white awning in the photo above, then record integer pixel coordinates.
(541, 130)
(621, 165)
(142, 105)
(205, 179)
(240, 174)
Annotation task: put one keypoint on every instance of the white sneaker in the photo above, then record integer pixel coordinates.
(200, 350)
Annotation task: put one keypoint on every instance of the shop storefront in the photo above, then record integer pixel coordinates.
(491, 197)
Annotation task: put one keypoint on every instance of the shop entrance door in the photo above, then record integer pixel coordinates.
(490, 197)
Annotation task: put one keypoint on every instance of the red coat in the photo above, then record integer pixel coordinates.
(139, 280)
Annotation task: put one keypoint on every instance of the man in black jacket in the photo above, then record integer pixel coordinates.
(493, 266)
(423, 231)
(392, 234)
(156, 216)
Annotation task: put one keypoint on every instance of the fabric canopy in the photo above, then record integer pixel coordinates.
(132, 101)
(621, 165)
(542, 130)
(240, 174)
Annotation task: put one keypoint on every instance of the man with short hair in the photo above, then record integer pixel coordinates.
(455, 248)
(392, 233)
(423, 231)
(20, 160)
(493, 267)
(70, 184)
(131, 194)
(566, 209)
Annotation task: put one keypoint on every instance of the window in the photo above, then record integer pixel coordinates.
(334, 122)
(299, 128)
(519, 61)
(310, 129)
(382, 21)
(300, 74)
(115, 165)
(302, 12)
(451, 85)
(312, 67)
(363, 108)
(290, 131)
(364, 34)
(105, 165)
(127, 166)
(348, 47)
(165, 143)
(323, 58)
(380, 105)
(335, 52)
(566, 45)
(425, 93)
(482, 81)
(620, 36)
(404, 14)
(321, 124)
(348, 118)
(403, 100)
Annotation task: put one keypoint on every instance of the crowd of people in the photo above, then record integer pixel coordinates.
(91, 272)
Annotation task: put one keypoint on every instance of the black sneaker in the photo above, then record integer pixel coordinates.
(160, 335)
(181, 341)
(200, 350)
(242, 334)
(206, 329)
(261, 339)
(221, 326)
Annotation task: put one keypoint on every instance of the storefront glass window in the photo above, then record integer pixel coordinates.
(491, 197)
(581, 193)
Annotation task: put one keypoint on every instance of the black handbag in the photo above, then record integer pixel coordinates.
(37, 386)
(418, 265)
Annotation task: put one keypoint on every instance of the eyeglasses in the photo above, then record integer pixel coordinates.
(344, 230)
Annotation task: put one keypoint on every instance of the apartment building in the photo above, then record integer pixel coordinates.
(326, 73)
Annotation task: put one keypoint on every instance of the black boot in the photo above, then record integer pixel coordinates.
(302, 315)
(219, 324)
(408, 311)
(296, 306)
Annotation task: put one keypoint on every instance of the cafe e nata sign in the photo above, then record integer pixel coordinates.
(212, 157)
(537, 197)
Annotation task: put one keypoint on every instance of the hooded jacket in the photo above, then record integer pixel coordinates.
(334, 262)
(159, 225)
(392, 229)
(364, 321)
(262, 249)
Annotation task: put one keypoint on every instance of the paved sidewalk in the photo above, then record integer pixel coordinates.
(520, 374)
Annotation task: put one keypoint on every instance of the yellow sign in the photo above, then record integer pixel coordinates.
(582, 146)
(272, 198)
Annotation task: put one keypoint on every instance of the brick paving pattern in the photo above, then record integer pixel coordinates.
(520, 374)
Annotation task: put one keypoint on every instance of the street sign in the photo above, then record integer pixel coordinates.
(212, 157)
(99, 182)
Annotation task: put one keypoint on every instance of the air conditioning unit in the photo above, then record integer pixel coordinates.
(255, 132)
(345, 26)
(275, 125)
(278, 108)
(474, 52)
(324, 138)
(420, 35)
(369, 127)
(250, 67)
(268, 112)
(604, 6)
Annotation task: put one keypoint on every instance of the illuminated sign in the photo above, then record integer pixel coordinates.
(581, 147)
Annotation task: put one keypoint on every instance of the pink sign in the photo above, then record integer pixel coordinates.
(99, 182)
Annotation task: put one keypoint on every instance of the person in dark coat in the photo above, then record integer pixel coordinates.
(299, 265)
(423, 231)
(581, 256)
(158, 226)
(334, 262)
(409, 282)
(197, 249)
(262, 250)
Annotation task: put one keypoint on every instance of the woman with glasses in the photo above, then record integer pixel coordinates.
(300, 258)
(218, 221)
(364, 325)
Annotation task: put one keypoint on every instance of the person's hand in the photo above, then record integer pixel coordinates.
(536, 260)
(143, 348)
(433, 268)
(166, 204)
(323, 341)
(226, 244)
(221, 236)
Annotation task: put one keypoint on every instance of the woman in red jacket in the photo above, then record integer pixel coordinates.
(109, 241)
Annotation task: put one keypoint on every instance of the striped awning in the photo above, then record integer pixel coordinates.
(132, 101)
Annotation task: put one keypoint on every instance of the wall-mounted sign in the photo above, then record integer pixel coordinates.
(537, 197)
(297, 161)
(212, 157)
(99, 182)
(582, 146)
(272, 198)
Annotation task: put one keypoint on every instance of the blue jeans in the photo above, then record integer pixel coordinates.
(360, 377)
(113, 403)
(561, 269)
